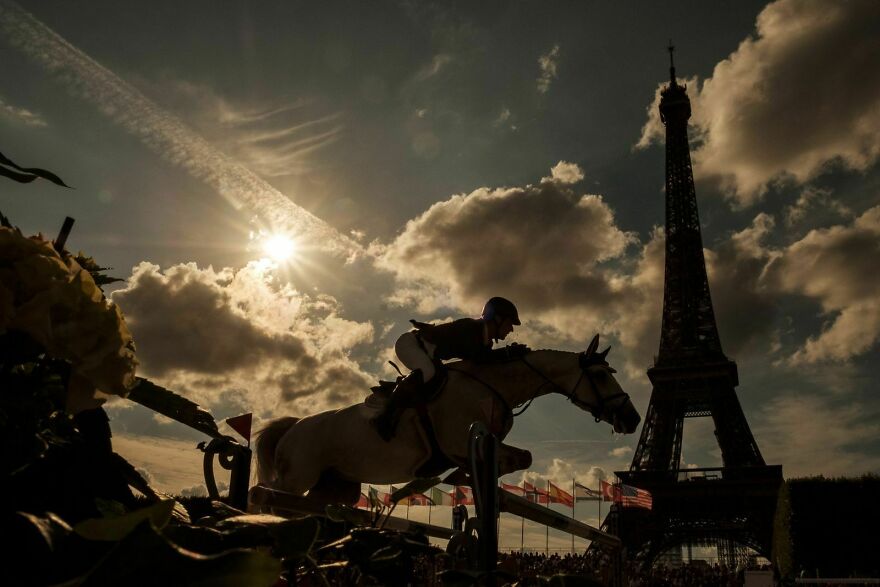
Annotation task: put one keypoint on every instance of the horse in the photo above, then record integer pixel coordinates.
(331, 453)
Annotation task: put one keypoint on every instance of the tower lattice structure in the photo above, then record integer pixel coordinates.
(692, 377)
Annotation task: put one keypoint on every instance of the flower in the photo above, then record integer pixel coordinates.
(57, 303)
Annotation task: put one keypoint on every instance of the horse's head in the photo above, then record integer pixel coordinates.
(598, 392)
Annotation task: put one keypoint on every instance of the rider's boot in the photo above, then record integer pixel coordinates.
(402, 396)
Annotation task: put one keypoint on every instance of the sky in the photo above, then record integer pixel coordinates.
(427, 156)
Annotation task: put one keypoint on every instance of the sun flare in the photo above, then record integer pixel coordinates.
(279, 247)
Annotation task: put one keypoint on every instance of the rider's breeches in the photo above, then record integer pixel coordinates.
(416, 354)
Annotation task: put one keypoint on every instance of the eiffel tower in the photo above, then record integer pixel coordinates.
(730, 507)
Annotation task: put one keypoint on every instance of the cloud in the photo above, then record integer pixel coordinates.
(505, 119)
(164, 133)
(171, 465)
(539, 245)
(274, 140)
(564, 173)
(22, 115)
(620, 451)
(812, 203)
(239, 339)
(803, 93)
(437, 63)
(837, 266)
(548, 63)
(561, 472)
(745, 308)
(813, 435)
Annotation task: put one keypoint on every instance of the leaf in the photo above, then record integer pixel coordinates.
(296, 538)
(344, 513)
(33, 548)
(32, 171)
(386, 556)
(144, 557)
(200, 539)
(90, 265)
(264, 520)
(46, 530)
(117, 528)
(290, 538)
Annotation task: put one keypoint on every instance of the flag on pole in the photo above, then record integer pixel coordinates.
(242, 425)
(582, 493)
(558, 495)
(514, 489)
(376, 497)
(440, 497)
(627, 496)
(363, 502)
(534, 494)
(609, 492)
(463, 495)
(416, 499)
(635, 497)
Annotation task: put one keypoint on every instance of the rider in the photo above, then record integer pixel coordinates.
(428, 345)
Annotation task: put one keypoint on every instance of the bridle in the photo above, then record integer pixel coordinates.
(585, 361)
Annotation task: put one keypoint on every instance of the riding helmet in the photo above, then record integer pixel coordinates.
(498, 307)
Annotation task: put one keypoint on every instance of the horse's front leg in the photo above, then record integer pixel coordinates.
(512, 459)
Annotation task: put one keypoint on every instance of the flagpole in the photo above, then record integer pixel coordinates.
(547, 528)
(573, 500)
(498, 516)
(522, 521)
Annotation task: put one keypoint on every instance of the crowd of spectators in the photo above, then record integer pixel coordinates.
(699, 573)
(686, 575)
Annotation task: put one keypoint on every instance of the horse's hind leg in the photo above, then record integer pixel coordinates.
(297, 472)
(331, 488)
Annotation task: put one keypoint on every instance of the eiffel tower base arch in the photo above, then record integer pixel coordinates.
(734, 507)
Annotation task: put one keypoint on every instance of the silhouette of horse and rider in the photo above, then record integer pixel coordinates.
(417, 427)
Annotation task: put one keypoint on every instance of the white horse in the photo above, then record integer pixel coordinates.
(331, 453)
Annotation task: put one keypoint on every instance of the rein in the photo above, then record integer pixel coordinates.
(585, 363)
(494, 391)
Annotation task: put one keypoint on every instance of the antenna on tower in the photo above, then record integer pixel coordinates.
(671, 49)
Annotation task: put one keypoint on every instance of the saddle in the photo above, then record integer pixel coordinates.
(427, 393)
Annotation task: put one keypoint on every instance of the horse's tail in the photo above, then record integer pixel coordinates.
(267, 440)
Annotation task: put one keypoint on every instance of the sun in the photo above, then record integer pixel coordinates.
(280, 247)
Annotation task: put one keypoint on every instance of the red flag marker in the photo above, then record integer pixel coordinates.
(242, 425)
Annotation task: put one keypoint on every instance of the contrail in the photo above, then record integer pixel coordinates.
(164, 133)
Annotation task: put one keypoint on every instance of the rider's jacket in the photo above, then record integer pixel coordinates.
(464, 338)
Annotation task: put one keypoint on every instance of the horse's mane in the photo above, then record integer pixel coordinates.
(469, 365)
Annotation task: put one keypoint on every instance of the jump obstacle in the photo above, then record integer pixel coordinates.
(475, 538)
